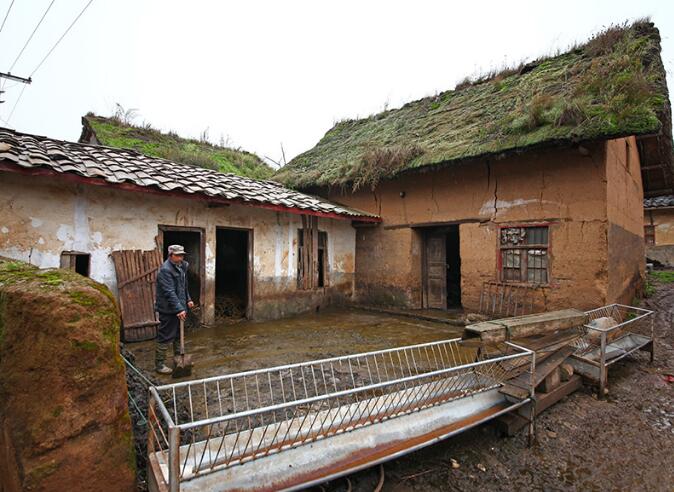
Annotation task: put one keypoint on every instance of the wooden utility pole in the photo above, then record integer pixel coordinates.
(15, 78)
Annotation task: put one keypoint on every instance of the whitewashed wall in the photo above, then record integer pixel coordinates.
(40, 217)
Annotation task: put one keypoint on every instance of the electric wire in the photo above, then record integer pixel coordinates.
(31, 35)
(58, 41)
(9, 9)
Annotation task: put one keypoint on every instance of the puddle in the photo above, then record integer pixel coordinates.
(227, 348)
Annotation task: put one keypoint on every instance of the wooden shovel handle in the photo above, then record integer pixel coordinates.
(182, 337)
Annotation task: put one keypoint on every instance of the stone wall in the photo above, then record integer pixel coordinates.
(64, 421)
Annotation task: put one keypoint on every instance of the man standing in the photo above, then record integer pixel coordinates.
(173, 301)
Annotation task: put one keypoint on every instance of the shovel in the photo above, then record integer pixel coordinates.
(182, 364)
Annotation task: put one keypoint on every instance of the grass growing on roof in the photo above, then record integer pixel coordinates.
(113, 132)
(614, 85)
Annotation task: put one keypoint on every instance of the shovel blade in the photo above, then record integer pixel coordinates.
(182, 366)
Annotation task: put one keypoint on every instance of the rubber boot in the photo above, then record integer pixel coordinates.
(160, 357)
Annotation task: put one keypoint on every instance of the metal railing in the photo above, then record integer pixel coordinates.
(612, 332)
(197, 427)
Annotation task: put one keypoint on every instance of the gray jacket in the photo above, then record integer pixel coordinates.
(172, 292)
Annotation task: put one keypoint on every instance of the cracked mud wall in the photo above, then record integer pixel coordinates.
(64, 420)
(41, 217)
(663, 249)
(627, 259)
(565, 188)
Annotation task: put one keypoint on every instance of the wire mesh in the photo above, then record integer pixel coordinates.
(613, 322)
(235, 418)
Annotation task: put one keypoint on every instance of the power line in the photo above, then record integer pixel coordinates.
(6, 15)
(61, 38)
(31, 35)
(9, 118)
(58, 41)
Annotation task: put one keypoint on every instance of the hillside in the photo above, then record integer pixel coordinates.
(113, 132)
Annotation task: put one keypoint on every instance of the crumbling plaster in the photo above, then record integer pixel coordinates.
(41, 217)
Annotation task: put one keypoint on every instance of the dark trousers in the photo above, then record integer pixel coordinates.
(168, 331)
(169, 328)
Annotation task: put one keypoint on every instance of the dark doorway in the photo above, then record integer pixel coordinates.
(442, 268)
(231, 273)
(191, 240)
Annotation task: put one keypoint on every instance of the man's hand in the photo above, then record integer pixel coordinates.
(190, 304)
(182, 315)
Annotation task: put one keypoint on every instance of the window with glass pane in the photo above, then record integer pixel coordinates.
(524, 254)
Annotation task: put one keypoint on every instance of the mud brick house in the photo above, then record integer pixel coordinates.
(73, 204)
(659, 229)
(532, 177)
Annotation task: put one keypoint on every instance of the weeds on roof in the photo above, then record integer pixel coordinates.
(612, 86)
(119, 131)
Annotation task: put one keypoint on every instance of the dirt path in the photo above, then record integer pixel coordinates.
(625, 442)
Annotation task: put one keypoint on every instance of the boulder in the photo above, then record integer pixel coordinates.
(64, 421)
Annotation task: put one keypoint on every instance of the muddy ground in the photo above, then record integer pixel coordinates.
(624, 442)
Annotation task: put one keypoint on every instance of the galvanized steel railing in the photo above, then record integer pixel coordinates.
(197, 427)
(625, 330)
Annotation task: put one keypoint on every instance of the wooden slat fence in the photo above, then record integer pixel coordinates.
(136, 282)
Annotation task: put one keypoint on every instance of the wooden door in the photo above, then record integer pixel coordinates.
(136, 283)
(436, 272)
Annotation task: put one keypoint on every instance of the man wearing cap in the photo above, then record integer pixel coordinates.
(173, 301)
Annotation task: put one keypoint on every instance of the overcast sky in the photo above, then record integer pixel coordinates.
(266, 73)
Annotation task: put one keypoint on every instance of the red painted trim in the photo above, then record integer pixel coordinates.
(75, 178)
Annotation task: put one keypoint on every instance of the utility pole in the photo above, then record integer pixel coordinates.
(15, 78)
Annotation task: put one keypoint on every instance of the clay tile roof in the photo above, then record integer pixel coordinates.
(659, 201)
(126, 166)
(612, 86)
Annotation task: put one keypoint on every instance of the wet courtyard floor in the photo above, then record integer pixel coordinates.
(228, 348)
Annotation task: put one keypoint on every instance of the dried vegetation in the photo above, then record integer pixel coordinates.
(613, 85)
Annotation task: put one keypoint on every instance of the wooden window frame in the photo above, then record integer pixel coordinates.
(649, 234)
(68, 261)
(500, 247)
(320, 238)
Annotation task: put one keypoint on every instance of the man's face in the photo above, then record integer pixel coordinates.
(176, 259)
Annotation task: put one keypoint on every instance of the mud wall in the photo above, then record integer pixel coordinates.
(663, 220)
(41, 217)
(624, 205)
(565, 189)
(64, 421)
(663, 249)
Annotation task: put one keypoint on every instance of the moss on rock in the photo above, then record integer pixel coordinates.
(59, 343)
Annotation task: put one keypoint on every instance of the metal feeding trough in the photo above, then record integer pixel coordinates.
(609, 334)
(292, 426)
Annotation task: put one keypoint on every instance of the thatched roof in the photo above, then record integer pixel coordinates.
(113, 132)
(613, 85)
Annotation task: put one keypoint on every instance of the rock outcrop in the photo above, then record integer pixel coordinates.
(64, 421)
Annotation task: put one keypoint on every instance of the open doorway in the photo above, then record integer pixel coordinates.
(191, 238)
(442, 268)
(232, 274)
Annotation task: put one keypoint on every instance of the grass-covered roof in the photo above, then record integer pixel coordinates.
(114, 132)
(613, 85)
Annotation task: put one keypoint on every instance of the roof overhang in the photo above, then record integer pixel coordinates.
(6, 166)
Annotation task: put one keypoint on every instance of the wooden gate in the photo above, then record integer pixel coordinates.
(136, 282)
(436, 272)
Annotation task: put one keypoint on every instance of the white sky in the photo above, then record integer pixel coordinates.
(263, 73)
